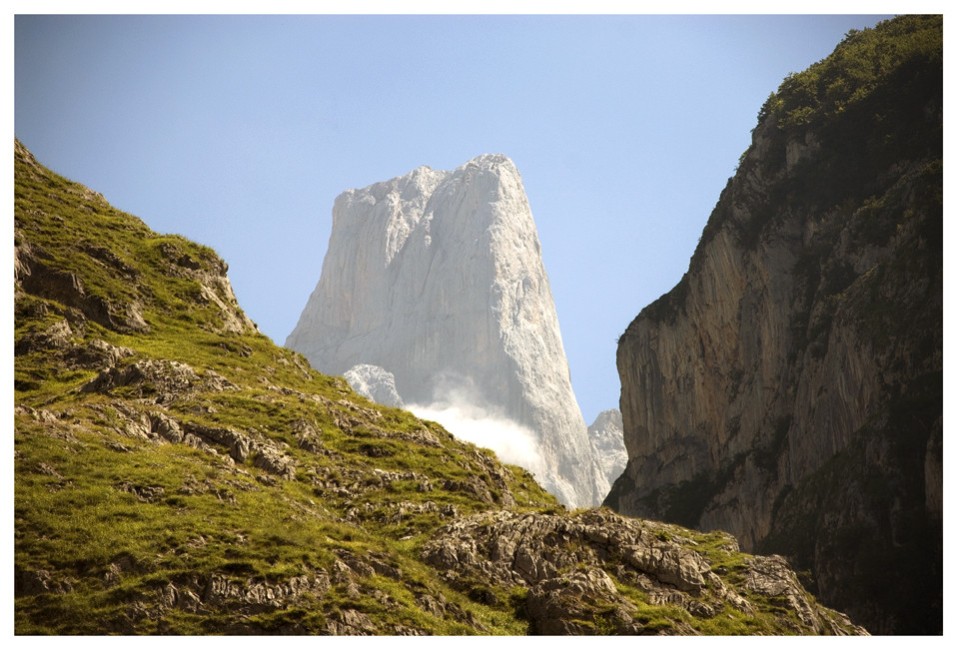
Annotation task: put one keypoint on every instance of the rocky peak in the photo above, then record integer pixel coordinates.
(437, 278)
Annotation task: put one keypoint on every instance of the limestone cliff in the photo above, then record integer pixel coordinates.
(789, 388)
(606, 437)
(437, 278)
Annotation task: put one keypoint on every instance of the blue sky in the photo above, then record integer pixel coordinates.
(239, 131)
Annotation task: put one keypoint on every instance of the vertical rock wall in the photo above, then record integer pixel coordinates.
(789, 388)
(437, 277)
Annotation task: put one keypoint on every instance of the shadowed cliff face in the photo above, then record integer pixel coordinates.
(789, 388)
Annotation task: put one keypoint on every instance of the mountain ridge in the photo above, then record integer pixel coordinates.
(175, 472)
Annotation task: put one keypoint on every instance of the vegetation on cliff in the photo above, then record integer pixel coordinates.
(176, 472)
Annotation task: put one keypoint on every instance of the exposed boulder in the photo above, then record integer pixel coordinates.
(164, 379)
(37, 277)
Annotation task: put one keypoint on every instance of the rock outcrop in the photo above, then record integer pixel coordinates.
(789, 388)
(437, 278)
(577, 569)
(107, 290)
(374, 383)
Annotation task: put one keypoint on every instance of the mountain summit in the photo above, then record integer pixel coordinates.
(437, 278)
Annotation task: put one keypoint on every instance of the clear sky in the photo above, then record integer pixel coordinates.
(239, 132)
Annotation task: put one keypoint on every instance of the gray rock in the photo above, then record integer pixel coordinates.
(582, 601)
(438, 277)
(608, 441)
(789, 388)
(374, 383)
(162, 378)
(572, 566)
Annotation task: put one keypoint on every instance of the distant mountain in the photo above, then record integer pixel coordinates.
(607, 439)
(178, 473)
(437, 278)
(789, 388)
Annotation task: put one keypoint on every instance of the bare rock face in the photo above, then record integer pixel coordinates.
(374, 383)
(607, 439)
(789, 388)
(33, 275)
(437, 277)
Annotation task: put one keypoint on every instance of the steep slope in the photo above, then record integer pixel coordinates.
(176, 472)
(437, 278)
(789, 388)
